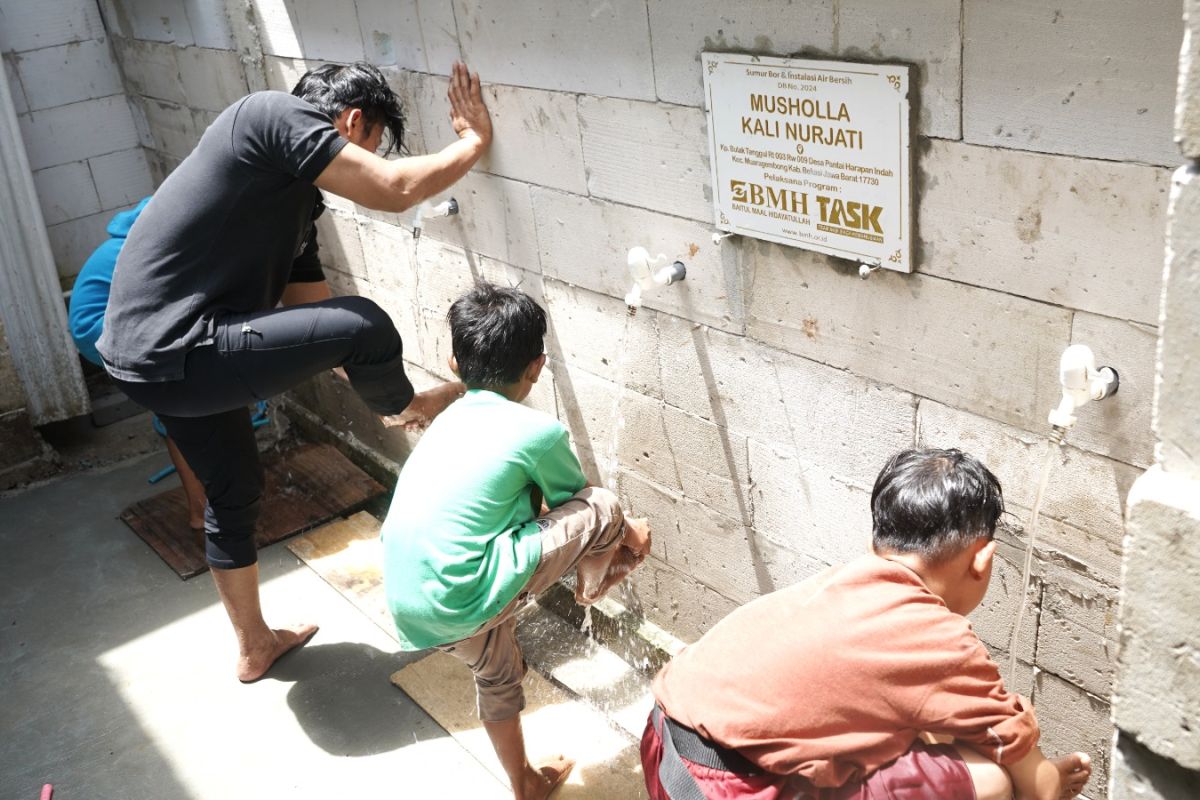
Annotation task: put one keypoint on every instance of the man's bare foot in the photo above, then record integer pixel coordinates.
(540, 782)
(1074, 771)
(425, 406)
(256, 662)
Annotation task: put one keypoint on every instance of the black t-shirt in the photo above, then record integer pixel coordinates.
(219, 236)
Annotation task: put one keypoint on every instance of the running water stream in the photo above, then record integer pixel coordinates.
(1051, 454)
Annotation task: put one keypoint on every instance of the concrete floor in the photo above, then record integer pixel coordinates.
(117, 677)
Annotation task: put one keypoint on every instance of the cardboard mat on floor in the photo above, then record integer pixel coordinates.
(348, 555)
(305, 486)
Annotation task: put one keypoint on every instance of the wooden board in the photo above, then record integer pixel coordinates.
(607, 763)
(305, 487)
(348, 555)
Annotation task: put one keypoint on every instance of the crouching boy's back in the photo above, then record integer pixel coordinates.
(492, 508)
(865, 681)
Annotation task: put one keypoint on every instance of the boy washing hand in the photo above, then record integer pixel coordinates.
(865, 681)
(465, 546)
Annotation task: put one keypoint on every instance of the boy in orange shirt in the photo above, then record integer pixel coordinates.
(865, 681)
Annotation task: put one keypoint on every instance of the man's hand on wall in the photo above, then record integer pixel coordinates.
(468, 114)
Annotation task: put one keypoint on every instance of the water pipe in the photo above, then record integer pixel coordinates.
(649, 273)
(425, 211)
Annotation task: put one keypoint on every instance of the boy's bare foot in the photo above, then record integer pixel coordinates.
(425, 406)
(1074, 771)
(540, 782)
(634, 547)
(256, 662)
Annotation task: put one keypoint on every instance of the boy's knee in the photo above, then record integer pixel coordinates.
(991, 781)
(604, 502)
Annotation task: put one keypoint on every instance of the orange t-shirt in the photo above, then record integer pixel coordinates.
(834, 677)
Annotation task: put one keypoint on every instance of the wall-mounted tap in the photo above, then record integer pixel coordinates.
(426, 211)
(1082, 382)
(648, 273)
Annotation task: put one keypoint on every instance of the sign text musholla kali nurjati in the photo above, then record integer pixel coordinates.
(813, 154)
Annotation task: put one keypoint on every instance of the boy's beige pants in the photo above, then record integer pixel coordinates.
(590, 523)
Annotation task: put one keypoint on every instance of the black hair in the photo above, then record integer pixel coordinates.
(496, 332)
(333, 88)
(934, 503)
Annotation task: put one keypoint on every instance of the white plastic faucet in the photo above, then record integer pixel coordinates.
(1082, 382)
(425, 211)
(647, 273)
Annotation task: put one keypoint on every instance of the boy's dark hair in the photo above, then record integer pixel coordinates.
(496, 333)
(934, 503)
(333, 88)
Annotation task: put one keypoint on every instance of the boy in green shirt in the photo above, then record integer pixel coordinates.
(492, 508)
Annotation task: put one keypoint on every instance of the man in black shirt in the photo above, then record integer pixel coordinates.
(192, 331)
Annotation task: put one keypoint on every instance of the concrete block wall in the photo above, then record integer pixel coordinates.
(747, 410)
(79, 129)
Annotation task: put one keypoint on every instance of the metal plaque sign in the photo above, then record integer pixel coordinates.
(813, 154)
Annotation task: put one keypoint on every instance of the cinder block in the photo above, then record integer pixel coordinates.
(439, 33)
(328, 31)
(993, 355)
(1083, 551)
(805, 509)
(495, 219)
(706, 464)
(72, 242)
(1077, 634)
(1119, 426)
(1086, 78)
(69, 73)
(536, 133)
(832, 419)
(681, 31)
(31, 26)
(172, 127)
(595, 333)
(66, 192)
(156, 20)
(993, 621)
(1187, 108)
(78, 131)
(122, 178)
(602, 49)
(918, 32)
(152, 70)
(340, 248)
(721, 553)
(387, 259)
(1082, 234)
(1157, 695)
(209, 24)
(1084, 490)
(585, 242)
(1178, 405)
(283, 72)
(278, 28)
(676, 602)
(20, 103)
(646, 154)
(212, 79)
(1071, 720)
(1141, 773)
(391, 33)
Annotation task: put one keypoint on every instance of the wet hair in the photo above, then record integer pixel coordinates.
(934, 503)
(333, 88)
(496, 332)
